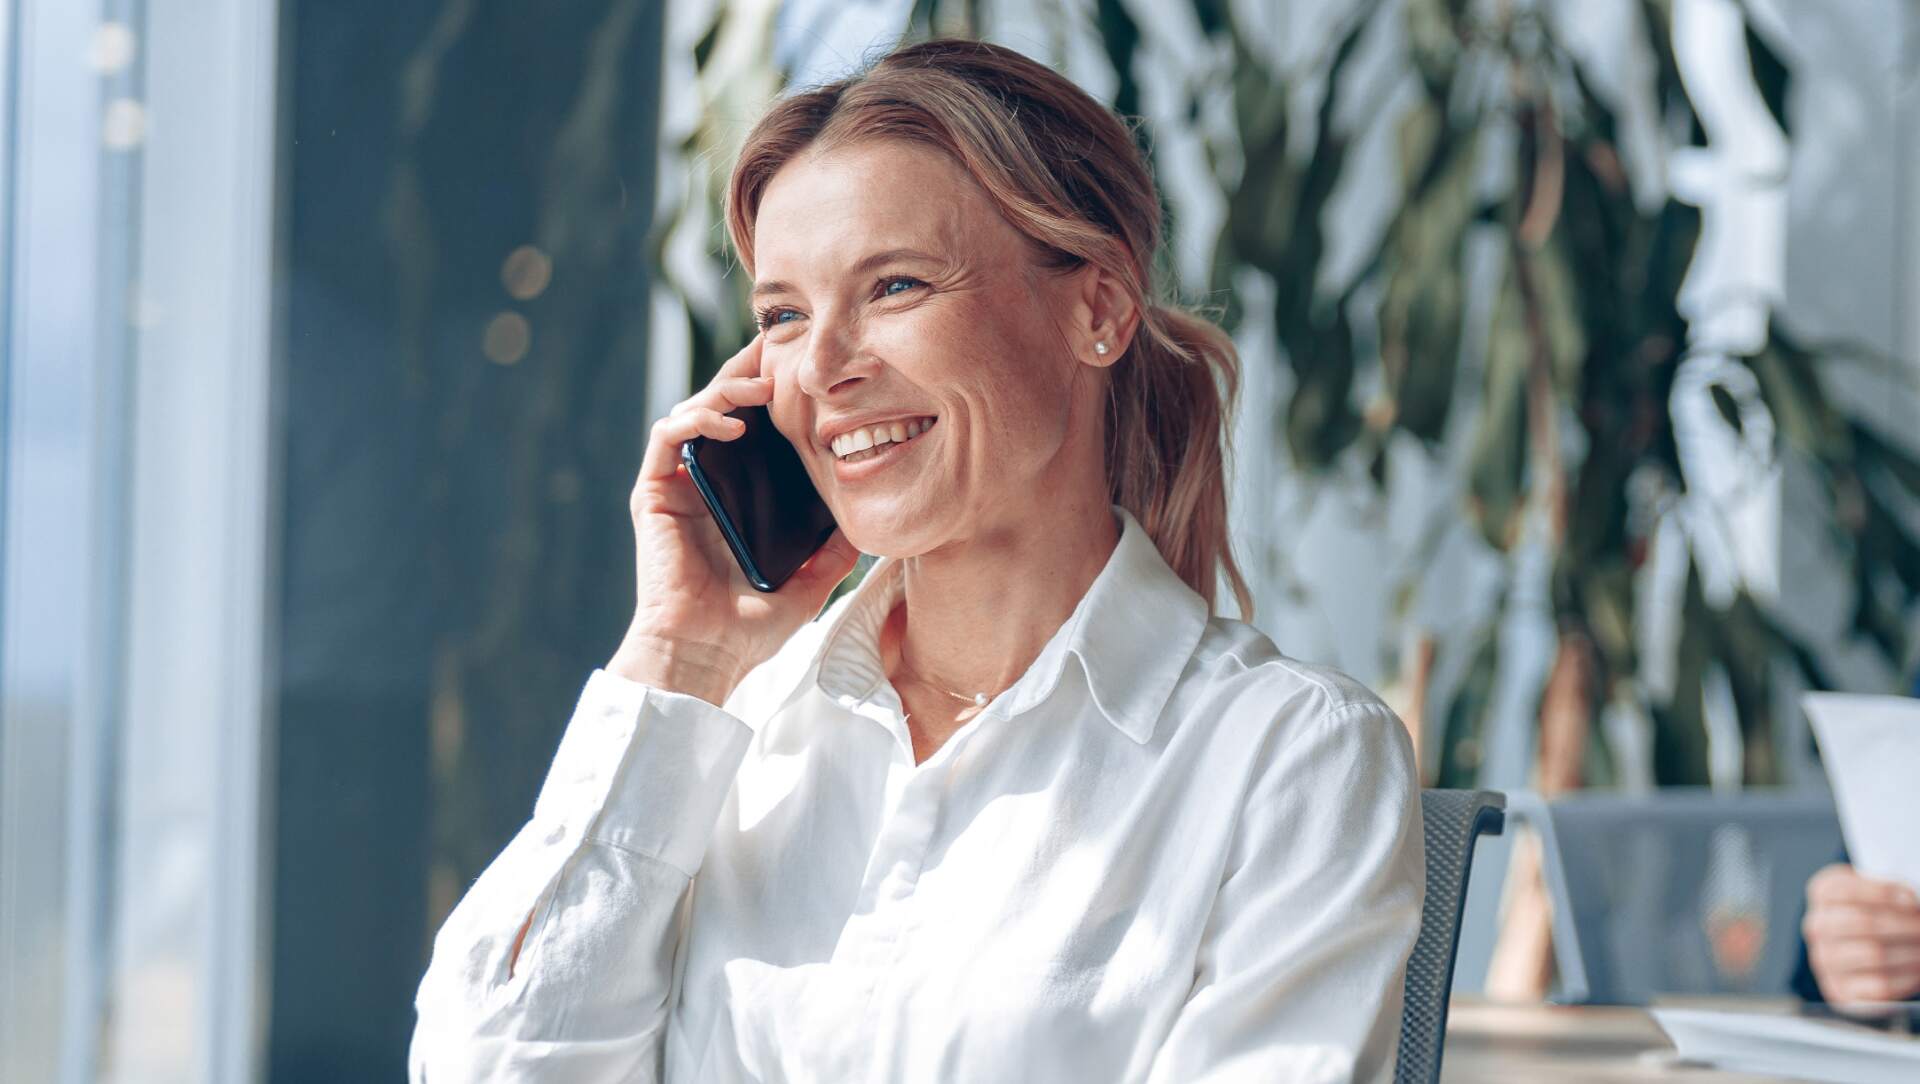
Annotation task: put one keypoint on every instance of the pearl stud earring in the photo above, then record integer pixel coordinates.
(1100, 347)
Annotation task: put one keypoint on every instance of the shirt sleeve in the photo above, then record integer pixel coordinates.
(620, 827)
(1301, 968)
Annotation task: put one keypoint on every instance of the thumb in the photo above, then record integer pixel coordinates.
(825, 569)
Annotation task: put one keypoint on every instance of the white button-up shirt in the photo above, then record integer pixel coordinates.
(1168, 853)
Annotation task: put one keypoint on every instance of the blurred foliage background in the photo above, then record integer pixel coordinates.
(1529, 315)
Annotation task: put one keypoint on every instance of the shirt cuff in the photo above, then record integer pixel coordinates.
(643, 769)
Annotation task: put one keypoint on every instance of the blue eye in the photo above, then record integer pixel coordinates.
(766, 318)
(887, 286)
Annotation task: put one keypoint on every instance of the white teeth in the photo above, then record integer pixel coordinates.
(873, 436)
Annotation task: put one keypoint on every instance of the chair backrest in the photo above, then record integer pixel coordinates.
(1452, 820)
(1679, 890)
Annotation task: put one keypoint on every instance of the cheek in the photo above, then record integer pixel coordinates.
(780, 361)
(787, 409)
(993, 355)
(1022, 380)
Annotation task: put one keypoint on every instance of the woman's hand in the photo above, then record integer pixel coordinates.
(698, 625)
(1863, 936)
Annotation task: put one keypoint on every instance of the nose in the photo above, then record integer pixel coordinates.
(834, 361)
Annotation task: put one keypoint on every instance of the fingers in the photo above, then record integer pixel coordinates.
(1863, 937)
(669, 433)
(1865, 987)
(824, 570)
(1841, 885)
(1862, 955)
(726, 394)
(703, 414)
(1836, 922)
(744, 363)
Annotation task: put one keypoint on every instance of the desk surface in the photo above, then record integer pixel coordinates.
(1526, 1044)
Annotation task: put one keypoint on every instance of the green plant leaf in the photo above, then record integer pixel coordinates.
(1497, 466)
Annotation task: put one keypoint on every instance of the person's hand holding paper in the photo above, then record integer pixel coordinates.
(1863, 920)
(1863, 937)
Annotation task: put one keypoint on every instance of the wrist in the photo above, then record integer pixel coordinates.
(699, 670)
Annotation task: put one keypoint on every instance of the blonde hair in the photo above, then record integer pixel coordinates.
(1064, 171)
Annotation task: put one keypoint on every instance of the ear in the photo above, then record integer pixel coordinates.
(1100, 314)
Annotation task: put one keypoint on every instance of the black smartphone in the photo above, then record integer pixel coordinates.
(762, 497)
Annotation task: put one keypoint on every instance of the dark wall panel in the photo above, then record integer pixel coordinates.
(467, 189)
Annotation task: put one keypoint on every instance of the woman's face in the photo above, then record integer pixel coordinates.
(892, 292)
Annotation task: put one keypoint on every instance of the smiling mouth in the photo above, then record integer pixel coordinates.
(874, 440)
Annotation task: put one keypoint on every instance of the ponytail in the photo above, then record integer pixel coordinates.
(1168, 405)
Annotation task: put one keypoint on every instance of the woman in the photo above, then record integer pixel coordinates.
(1019, 808)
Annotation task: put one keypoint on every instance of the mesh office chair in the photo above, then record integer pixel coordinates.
(1452, 820)
(1679, 891)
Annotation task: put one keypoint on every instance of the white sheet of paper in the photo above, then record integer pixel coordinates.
(1871, 747)
(1791, 1046)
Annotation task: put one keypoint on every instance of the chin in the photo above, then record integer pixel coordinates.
(884, 531)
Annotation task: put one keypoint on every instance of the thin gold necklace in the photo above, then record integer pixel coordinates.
(978, 700)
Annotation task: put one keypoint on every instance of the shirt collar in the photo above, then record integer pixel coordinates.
(1133, 632)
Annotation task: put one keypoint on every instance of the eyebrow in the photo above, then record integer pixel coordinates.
(864, 264)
